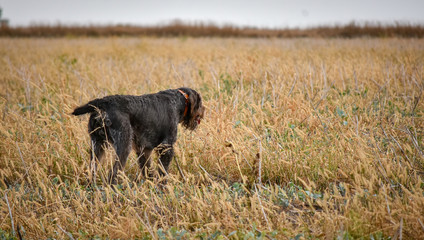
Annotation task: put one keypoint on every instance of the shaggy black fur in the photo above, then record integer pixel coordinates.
(144, 123)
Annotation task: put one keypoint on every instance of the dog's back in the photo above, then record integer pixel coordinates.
(99, 104)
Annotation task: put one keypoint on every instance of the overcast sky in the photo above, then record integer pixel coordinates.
(259, 13)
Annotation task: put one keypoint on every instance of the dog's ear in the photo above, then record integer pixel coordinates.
(195, 102)
(195, 109)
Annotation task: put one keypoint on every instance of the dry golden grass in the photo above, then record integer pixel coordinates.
(302, 139)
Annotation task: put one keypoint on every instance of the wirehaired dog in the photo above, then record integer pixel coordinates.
(145, 123)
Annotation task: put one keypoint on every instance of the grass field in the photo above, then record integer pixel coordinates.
(303, 138)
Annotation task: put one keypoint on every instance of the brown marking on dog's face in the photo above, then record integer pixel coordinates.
(200, 115)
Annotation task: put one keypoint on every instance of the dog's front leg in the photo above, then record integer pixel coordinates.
(166, 153)
(144, 161)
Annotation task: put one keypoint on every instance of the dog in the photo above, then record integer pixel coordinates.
(143, 123)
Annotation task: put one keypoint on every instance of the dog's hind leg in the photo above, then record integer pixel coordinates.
(98, 134)
(97, 153)
(121, 140)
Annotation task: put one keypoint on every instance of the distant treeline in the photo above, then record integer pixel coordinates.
(211, 30)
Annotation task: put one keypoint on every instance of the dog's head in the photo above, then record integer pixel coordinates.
(195, 109)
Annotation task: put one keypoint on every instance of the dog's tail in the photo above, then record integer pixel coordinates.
(87, 108)
(90, 107)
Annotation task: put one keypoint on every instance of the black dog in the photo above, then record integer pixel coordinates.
(144, 122)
